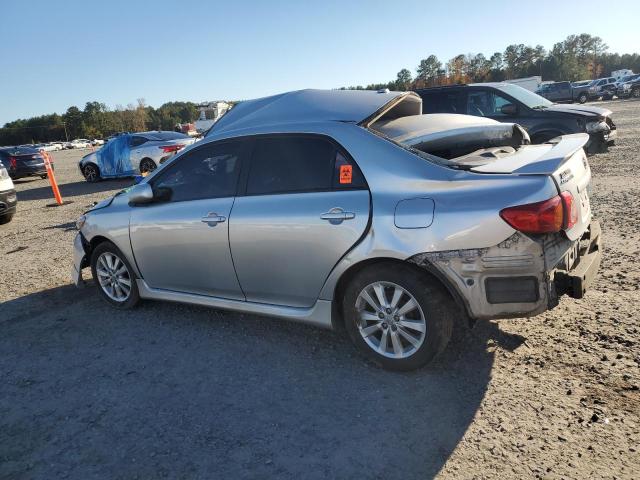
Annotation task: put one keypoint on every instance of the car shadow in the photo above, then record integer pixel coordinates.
(74, 189)
(175, 390)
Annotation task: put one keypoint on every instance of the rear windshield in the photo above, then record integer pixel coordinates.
(165, 136)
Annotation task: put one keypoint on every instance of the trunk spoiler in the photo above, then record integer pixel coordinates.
(562, 149)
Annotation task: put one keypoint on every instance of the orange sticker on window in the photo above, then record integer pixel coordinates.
(346, 172)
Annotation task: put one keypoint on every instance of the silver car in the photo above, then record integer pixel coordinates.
(144, 151)
(352, 210)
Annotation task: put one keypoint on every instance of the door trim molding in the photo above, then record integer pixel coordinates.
(318, 315)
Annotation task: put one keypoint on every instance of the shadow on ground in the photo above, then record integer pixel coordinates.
(180, 391)
(73, 189)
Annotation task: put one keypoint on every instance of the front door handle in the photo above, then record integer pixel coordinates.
(337, 215)
(212, 219)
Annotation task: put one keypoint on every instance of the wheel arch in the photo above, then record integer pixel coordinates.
(91, 245)
(428, 270)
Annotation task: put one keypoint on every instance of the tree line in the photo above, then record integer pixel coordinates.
(97, 121)
(578, 57)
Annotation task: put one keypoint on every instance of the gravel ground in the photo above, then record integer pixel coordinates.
(186, 392)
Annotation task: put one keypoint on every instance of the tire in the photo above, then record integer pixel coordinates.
(413, 298)
(44, 176)
(111, 272)
(582, 98)
(635, 93)
(5, 218)
(147, 166)
(91, 173)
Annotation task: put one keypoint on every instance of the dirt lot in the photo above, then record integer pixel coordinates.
(183, 392)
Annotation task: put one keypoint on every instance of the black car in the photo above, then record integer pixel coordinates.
(23, 162)
(506, 102)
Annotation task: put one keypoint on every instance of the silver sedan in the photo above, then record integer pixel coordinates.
(352, 210)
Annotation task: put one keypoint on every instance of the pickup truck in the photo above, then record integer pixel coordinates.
(560, 92)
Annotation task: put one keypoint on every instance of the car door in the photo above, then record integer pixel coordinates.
(181, 240)
(305, 205)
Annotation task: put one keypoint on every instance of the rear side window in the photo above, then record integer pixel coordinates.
(136, 141)
(208, 172)
(441, 102)
(291, 164)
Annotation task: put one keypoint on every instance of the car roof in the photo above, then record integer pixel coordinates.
(310, 106)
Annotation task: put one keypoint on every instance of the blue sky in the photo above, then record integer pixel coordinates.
(55, 54)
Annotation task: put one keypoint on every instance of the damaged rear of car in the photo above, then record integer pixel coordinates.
(555, 246)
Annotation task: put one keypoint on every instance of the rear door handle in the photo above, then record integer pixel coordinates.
(212, 219)
(337, 215)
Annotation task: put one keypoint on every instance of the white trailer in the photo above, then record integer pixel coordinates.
(530, 83)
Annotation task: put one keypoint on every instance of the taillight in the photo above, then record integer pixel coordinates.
(171, 148)
(539, 217)
(570, 209)
(13, 162)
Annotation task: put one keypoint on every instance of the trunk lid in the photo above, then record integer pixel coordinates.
(565, 161)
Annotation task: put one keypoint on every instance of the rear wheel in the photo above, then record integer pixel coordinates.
(147, 165)
(43, 176)
(635, 93)
(582, 98)
(398, 317)
(91, 172)
(114, 276)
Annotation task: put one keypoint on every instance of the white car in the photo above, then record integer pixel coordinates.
(8, 197)
(132, 153)
(80, 143)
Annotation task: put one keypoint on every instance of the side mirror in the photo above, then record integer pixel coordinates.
(141, 193)
(509, 109)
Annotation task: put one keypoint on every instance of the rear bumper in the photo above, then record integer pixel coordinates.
(8, 202)
(576, 281)
(521, 276)
(28, 171)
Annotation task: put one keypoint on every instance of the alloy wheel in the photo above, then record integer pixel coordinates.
(390, 320)
(90, 173)
(147, 166)
(114, 277)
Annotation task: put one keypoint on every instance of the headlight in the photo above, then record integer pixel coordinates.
(593, 127)
(81, 221)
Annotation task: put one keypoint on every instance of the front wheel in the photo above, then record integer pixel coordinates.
(114, 276)
(91, 173)
(5, 218)
(397, 316)
(582, 98)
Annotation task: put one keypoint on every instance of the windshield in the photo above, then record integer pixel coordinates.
(530, 99)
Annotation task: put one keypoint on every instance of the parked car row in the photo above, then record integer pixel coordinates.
(602, 88)
(354, 210)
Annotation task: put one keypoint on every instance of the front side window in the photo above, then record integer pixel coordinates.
(484, 103)
(207, 172)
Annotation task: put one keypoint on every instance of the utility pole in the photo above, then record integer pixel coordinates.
(66, 135)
